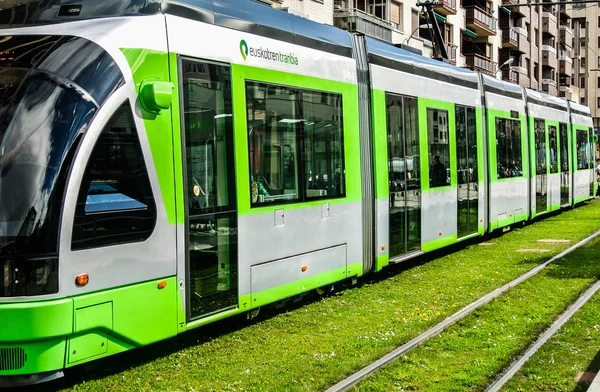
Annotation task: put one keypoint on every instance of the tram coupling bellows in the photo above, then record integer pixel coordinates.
(12, 358)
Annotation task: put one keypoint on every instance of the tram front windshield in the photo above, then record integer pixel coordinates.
(51, 87)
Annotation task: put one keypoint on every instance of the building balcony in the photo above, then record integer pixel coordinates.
(480, 21)
(549, 56)
(451, 51)
(516, 10)
(510, 75)
(566, 36)
(549, 24)
(480, 63)
(357, 21)
(445, 7)
(565, 12)
(510, 38)
(565, 65)
(549, 86)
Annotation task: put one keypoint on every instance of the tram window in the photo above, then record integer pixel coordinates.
(553, 149)
(115, 203)
(564, 148)
(439, 147)
(296, 147)
(209, 146)
(582, 150)
(539, 129)
(509, 158)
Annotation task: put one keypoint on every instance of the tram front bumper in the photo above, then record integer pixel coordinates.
(33, 340)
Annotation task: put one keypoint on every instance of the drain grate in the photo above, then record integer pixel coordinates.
(12, 358)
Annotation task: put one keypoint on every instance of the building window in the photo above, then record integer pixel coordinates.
(115, 203)
(378, 9)
(598, 59)
(414, 16)
(582, 82)
(536, 36)
(528, 67)
(582, 100)
(535, 71)
(598, 102)
(509, 159)
(528, 28)
(296, 146)
(397, 15)
(582, 62)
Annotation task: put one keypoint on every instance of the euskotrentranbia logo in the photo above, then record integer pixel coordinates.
(244, 49)
(267, 54)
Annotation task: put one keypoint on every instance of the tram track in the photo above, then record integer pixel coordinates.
(367, 371)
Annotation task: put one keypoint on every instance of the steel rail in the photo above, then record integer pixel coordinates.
(558, 323)
(365, 372)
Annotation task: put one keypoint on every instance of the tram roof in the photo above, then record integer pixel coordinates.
(247, 16)
(389, 56)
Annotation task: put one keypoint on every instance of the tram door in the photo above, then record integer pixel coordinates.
(209, 177)
(466, 155)
(404, 175)
(565, 165)
(541, 176)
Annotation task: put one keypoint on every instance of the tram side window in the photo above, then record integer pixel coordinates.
(438, 135)
(582, 150)
(553, 149)
(296, 147)
(539, 126)
(115, 203)
(509, 157)
(564, 145)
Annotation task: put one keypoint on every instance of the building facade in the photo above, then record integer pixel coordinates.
(532, 46)
(586, 64)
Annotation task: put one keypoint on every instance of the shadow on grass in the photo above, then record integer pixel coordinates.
(138, 357)
(593, 367)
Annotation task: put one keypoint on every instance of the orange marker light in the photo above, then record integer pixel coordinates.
(304, 268)
(440, 233)
(382, 247)
(82, 279)
(481, 220)
(510, 214)
(162, 284)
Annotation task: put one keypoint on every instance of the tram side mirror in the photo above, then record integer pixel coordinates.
(156, 95)
(595, 139)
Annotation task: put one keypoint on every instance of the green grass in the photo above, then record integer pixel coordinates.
(468, 355)
(573, 350)
(310, 347)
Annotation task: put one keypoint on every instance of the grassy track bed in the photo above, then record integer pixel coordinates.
(311, 347)
(470, 354)
(573, 352)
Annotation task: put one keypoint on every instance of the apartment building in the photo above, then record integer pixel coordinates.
(586, 63)
(478, 34)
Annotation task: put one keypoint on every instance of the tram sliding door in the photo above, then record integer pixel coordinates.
(565, 165)
(404, 175)
(541, 176)
(466, 155)
(209, 173)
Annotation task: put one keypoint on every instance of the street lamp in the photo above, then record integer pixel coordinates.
(507, 62)
(423, 26)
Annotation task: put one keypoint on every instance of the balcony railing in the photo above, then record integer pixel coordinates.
(479, 20)
(510, 75)
(358, 21)
(510, 37)
(480, 63)
(445, 7)
(451, 51)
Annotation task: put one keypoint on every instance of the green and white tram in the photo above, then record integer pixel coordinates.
(166, 164)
